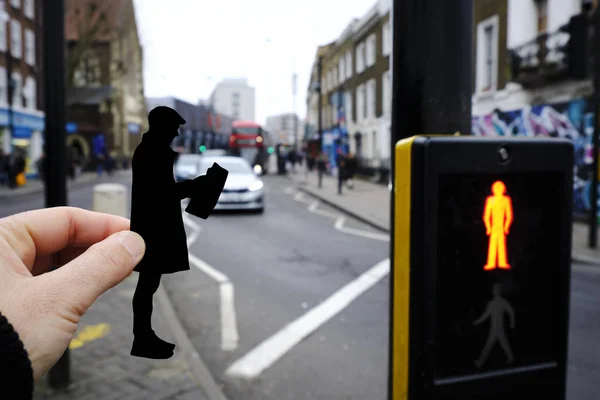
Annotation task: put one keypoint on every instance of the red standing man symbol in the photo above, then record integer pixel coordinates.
(498, 216)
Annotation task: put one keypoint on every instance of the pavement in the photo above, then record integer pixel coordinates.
(37, 186)
(370, 203)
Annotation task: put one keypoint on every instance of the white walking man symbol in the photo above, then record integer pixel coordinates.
(495, 311)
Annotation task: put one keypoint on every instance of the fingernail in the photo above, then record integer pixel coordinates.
(133, 243)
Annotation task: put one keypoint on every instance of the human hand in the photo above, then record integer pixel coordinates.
(488, 231)
(506, 230)
(95, 251)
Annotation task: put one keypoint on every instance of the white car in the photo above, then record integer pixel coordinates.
(243, 190)
(187, 166)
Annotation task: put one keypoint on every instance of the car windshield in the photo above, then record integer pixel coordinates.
(233, 167)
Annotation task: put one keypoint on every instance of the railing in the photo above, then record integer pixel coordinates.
(544, 58)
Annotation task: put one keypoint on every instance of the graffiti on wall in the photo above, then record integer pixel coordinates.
(573, 120)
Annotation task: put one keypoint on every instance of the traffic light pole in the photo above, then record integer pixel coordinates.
(431, 66)
(55, 143)
(593, 229)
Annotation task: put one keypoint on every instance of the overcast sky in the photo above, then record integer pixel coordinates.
(190, 45)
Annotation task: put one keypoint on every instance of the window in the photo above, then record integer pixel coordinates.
(542, 15)
(3, 37)
(387, 94)
(371, 98)
(3, 86)
(386, 39)
(15, 3)
(348, 64)
(29, 9)
(370, 50)
(29, 47)
(487, 55)
(489, 60)
(16, 47)
(360, 103)
(360, 58)
(348, 106)
(30, 93)
(342, 69)
(334, 73)
(17, 98)
(330, 80)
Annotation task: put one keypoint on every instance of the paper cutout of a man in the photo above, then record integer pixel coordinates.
(495, 312)
(156, 216)
(498, 217)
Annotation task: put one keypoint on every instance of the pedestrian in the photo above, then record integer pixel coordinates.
(321, 167)
(350, 170)
(156, 216)
(40, 305)
(341, 167)
(3, 163)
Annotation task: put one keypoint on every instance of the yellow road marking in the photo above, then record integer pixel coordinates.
(89, 334)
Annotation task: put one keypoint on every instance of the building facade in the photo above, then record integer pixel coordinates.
(235, 98)
(21, 115)
(105, 93)
(532, 76)
(283, 126)
(356, 90)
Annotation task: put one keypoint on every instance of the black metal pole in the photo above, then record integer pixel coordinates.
(11, 90)
(55, 143)
(593, 228)
(431, 66)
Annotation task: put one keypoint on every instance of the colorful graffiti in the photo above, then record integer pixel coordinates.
(573, 120)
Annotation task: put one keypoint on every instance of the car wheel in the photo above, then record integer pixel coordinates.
(260, 210)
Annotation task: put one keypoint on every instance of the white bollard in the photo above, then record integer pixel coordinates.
(111, 198)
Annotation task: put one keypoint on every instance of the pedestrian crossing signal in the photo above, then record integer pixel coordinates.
(271, 150)
(480, 267)
(202, 148)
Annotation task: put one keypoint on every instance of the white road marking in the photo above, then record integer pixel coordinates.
(268, 352)
(339, 225)
(289, 190)
(229, 331)
(313, 209)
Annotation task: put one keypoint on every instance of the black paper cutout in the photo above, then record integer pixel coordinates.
(156, 216)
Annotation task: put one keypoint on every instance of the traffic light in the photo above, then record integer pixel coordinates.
(202, 148)
(271, 150)
(481, 265)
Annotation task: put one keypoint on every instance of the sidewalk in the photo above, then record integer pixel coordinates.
(370, 203)
(101, 367)
(37, 186)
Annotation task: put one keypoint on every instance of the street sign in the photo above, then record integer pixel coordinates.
(481, 268)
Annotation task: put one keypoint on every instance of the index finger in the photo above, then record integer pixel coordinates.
(39, 233)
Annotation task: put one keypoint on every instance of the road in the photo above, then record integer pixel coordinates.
(254, 275)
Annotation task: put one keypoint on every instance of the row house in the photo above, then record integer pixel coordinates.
(105, 93)
(532, 75)
(21, 72)
(356, 90)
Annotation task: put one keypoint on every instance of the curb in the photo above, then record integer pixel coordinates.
(578, 258)
(204, 378)
(345, 210)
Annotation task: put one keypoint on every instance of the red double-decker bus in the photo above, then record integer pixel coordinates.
(250, 141)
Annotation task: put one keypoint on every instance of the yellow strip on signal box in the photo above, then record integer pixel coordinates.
(401, 300)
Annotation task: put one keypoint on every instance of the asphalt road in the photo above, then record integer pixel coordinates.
(286, 262)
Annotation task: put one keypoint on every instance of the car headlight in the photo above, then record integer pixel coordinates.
(257, 169)
(256, 185)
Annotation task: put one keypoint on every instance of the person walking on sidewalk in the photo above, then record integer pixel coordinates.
(341, 167)
(350, 170)
(321, 167)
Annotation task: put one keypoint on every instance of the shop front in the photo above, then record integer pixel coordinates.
(27, 136)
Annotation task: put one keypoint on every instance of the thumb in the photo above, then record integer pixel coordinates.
(101, 267)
